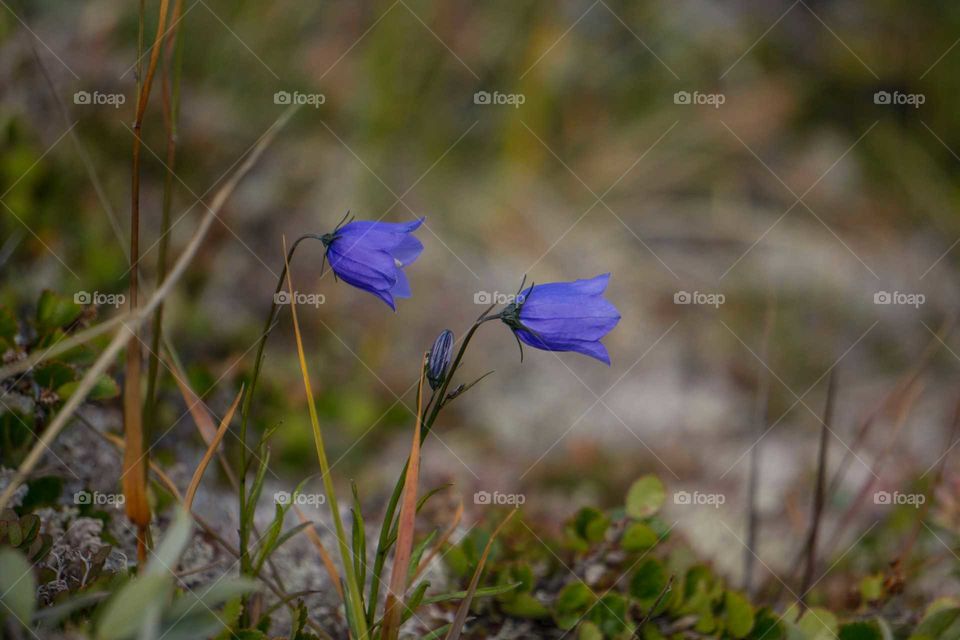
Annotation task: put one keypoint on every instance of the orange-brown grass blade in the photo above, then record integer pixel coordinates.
(324, 556)
(440, 543)
(408, 514)
(134, 477)
(211, 449)
(198, 410)
(457, 627)
(208, 431)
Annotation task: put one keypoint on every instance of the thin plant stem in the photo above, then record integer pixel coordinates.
(818, 496)
(171, 112)
(437, 402)
(245, 566)
(134, 462)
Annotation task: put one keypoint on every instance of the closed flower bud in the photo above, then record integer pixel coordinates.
(438, 362)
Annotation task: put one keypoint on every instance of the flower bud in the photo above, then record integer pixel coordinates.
(438, 362)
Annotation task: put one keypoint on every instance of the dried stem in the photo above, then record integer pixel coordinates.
(818, 496)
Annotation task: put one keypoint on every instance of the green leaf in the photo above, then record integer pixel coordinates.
(414, 601)
(638, 537)
(524, 605)
(937, 623)
(199, 623)
(418, 552)
(359, 539)
(589, 631)
(649, 581)
(590, 524)
(871, 588)
(55, 311)
(572, 604)
(42, 492)
(17, 587)
(818, 624)
(645, 497)
(54, 374)
(738, 614)
(479, 593)
(768, 626)
(437, 633)
(862, 630)
(204, 598)
(123, 614)
(175, 540)
(104, 388)
(611, 614)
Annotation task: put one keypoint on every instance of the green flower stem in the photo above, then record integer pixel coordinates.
(436, 403)
(245, 566)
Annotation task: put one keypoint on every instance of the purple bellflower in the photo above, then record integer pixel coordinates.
(371, 255)
(564, 316)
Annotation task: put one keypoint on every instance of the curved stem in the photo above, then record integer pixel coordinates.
(245, 567)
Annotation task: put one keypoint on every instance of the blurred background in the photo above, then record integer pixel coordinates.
(771, 184)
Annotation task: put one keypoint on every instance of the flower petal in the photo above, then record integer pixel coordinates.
(370, 269)
(592, 348)
(407, 251)
(402, 288)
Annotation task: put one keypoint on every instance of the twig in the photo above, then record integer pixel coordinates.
(818, 496)
(646, 618)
